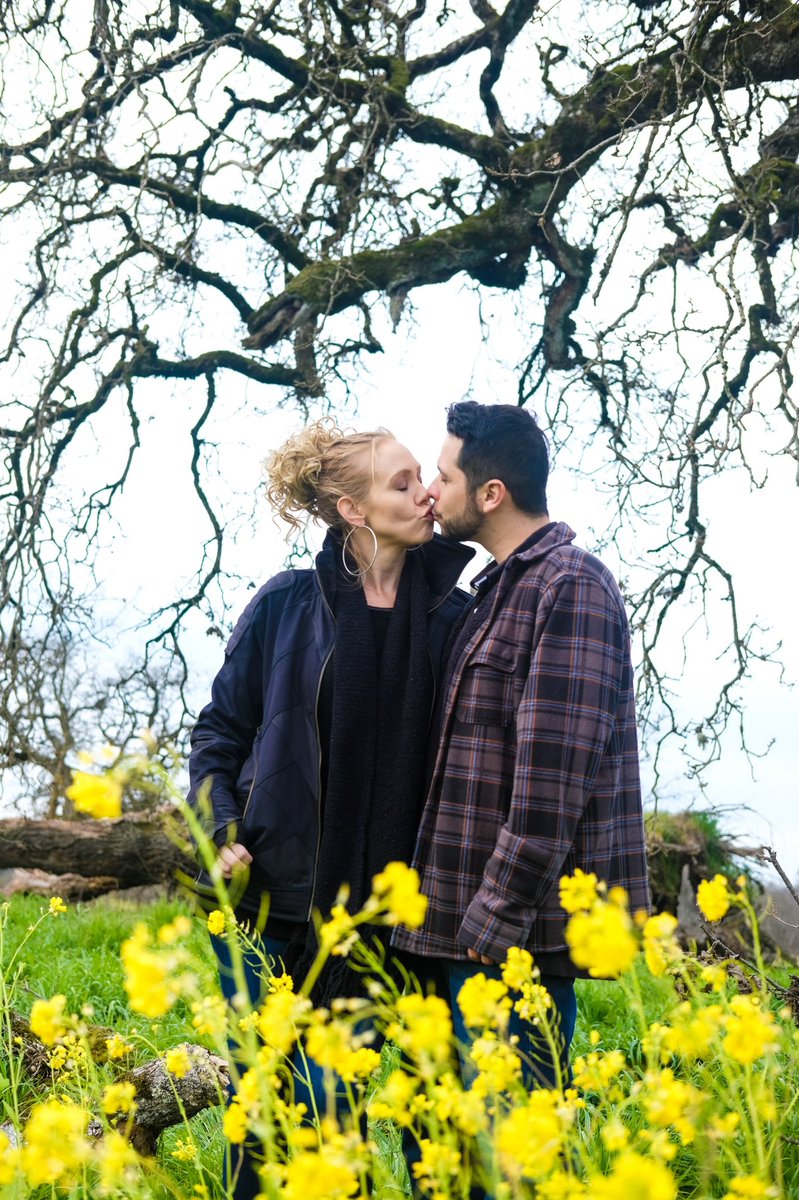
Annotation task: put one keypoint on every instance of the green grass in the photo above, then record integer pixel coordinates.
(602, 1006)
(77, 954)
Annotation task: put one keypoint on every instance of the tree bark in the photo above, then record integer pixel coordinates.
(131, 850)
(162, 1099)
(68, 886)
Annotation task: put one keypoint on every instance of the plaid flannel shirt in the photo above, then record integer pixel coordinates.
(537, 771)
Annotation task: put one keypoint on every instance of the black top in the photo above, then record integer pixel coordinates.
(275, 927)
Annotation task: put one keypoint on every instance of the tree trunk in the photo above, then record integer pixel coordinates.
(140, 848)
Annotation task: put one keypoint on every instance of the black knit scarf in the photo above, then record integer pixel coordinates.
(376, 764)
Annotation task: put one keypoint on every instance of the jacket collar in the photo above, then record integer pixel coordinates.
(442, 559)
(559, 534)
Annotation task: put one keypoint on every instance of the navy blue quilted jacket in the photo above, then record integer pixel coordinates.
(257, 741)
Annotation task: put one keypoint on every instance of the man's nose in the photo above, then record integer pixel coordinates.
(433, 489)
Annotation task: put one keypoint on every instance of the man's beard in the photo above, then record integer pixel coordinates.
(466, 526)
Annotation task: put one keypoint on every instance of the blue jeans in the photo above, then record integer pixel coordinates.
(309, 1082)
(240, 1168)
(538, 1069)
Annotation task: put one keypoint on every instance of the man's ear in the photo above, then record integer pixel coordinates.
(491, 495)
(349, 510)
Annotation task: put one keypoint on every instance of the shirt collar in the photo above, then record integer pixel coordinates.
(483, 582)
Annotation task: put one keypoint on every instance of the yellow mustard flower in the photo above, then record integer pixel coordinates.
(391, 1102)
(209, 1015)
(424, 1029)
(498, 1065)
(184, 1150)
(117, 1162)
(96, 795)
(715, 975)
(47, 1021)
(751, 1030)
(58, 1059)
(328, 1042)
(593, 1072)
(280, 983)
(578, 892)
(724, 1126)
(713, 897)
(518, 969)
(634, 1177)
(692, 1030)
(484, 1002)
(55, 1142)
(178, 1061)
(465, 1109)
(116, 1047)
(174, 931)
(149, 976)
(338, 934)
(119, 1098)
(561, 1186)
(278, 1019)
(615, 1134)
(748, 1187)
(9, 1159)
(248, 1092)
(56, 906)
(534, 1003)
(329, 1174)
(661, 947)
(530, 1138)
(437, 1165)
(668, 1101)
(397, 889)
(602, 941)
(661, 1145)
(216, 922)
(234, 1123)
(360, 1063)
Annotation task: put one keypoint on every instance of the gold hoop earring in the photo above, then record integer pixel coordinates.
(359, 574)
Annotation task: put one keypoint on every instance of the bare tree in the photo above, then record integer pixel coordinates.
(255, 189)
(55, 701)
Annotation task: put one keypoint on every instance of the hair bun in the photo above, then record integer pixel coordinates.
(318, 465)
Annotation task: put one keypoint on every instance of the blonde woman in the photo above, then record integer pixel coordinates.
(315, 737)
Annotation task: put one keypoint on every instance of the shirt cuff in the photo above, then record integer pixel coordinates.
(489, 933)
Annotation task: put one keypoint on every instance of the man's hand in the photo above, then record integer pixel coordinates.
(234, 857)
(481, 958)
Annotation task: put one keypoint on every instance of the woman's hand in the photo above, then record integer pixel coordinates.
(234, 857)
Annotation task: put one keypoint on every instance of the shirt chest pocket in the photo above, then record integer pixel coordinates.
(487, 692)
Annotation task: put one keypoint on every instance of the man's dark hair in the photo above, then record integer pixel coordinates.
(501, 441)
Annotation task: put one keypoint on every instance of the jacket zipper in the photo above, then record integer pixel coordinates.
(327, 658)
(252, 785)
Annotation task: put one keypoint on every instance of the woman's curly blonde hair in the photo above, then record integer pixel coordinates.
(311, 471)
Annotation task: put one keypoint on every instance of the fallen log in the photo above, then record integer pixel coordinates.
(162, 1099)
(68, 886)
(135, 849)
